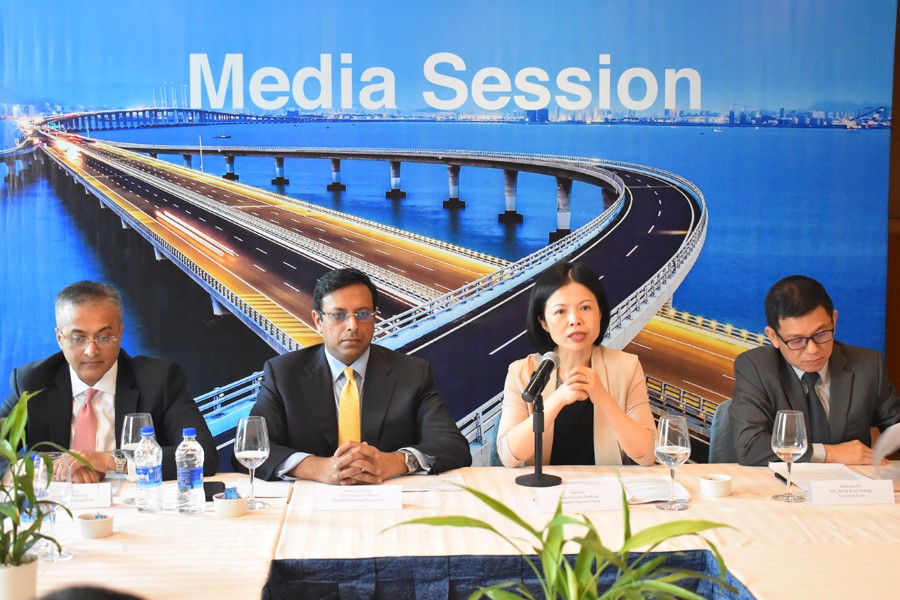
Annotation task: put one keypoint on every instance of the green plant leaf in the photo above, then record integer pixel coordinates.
(653, 536)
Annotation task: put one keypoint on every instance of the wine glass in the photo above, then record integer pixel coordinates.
(53, 489)
(789, 444)
(672, 448)
(251, 448)
(131, 437)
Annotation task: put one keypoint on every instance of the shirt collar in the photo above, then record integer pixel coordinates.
(823, 374)
(337, 367)
(106, 384)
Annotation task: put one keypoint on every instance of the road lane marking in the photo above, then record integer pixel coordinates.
(726, 376)
(291, 266)
(424, 267)
(259, 267)
(641, 345)
(507, 343)
(651, 229)
(261, 250)
(290, 286)
(677, 341)
(704, 389)
(630, 251)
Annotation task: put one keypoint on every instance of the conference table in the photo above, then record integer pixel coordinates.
(776, 550)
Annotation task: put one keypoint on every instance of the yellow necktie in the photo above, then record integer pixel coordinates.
(348, 410)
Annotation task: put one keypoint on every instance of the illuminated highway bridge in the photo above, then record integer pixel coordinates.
(648, 234)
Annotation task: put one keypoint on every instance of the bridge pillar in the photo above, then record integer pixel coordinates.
(279, 172)
(152, 154)
(187, 160)
(453, 180)
(158, 255)
(563, 209)
(336, 185)
(609, 197)
(218, 308)
(10, 170)
(229, 169)
(396, 193)
(124, 224)
(510, 187)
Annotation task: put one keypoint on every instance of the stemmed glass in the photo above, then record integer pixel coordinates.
(251, 448)
(789, 444)
(53, 488)
(131, 437)
(672, 448)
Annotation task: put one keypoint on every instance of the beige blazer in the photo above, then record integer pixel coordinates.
(623, 377)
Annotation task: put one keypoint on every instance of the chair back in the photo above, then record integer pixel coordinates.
(721, 440)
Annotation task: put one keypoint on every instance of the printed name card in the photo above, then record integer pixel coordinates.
(581, 496)
(358, 497)
(90, 495)
(855, 491)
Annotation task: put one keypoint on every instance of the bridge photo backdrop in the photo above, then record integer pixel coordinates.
(697, 150)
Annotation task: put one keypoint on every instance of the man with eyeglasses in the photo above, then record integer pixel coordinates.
(843, 390)
(348, 411)
(91, 385)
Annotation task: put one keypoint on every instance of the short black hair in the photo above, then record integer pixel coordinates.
(795, 296)
(339, 279)
(560, 274)
(83, 292)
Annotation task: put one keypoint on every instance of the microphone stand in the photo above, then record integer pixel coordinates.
(538, 478)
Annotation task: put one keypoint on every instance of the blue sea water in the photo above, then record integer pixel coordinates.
(781, 201)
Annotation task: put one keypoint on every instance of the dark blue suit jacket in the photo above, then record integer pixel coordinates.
(401, 407)
(143, 384)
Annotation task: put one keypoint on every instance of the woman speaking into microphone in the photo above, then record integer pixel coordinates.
(596, 410)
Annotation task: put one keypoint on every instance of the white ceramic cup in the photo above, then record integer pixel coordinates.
(92, 527)
(715, 485)
(229, 508)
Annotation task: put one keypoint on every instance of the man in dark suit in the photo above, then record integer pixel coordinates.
(393, 422)
(91, 385)
(842, 390)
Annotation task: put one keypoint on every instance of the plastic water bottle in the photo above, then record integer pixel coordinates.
(189, 460)
(148, 469)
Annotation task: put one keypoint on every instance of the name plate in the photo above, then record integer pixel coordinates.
(90, 495)
(578, 497)
(855, 491)
(358, 497)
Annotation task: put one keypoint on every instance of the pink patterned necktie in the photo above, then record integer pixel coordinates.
(86, 424)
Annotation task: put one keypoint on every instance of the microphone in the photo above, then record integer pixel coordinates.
(538, 380)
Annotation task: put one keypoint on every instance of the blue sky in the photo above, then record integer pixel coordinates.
(754, 54)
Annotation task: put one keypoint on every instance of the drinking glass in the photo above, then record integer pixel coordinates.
(53, 488)
(131, 437)
(789, 444)
(672, 448)
(251, 448)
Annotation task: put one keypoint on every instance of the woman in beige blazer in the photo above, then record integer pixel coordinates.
(596, 409)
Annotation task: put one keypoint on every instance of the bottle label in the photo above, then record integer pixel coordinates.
(149, 476)
(190, 478)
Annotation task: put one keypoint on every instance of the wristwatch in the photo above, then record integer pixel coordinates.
(412, 463)
(121, 461)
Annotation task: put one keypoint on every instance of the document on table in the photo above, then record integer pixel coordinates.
(429, 483)
(264, 489)
(641, 490)
(803, 473)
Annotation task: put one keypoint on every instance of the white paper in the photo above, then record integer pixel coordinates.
(641, 490)
(264, 489)
(803, 473)
(89, 495)
(358, 497)
(886, 444)
(580, 496)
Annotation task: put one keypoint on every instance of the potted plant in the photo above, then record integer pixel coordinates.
(21, 512)
(626, 573)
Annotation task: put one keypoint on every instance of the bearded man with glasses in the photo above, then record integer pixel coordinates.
(91, 385)
(348, 411)
(842, 390)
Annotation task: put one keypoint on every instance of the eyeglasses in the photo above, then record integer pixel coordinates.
(82, 341)
(799, 343)
(340, 317)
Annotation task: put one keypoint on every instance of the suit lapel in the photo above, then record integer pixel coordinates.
(841, 385)
(127, 393)
(317, 390)
(59, 408)
(378, 390)
(793, 390)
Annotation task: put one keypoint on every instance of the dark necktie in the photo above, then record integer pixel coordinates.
(819, 432)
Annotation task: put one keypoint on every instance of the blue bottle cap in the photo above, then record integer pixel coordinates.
(189, 431)
(147, 430)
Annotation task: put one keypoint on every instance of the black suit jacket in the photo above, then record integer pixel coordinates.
(143, 384)
(862, 397)
(401, 407)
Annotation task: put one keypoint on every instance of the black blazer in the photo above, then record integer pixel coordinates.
(862, 397)
(401, 407)
(143, 384)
